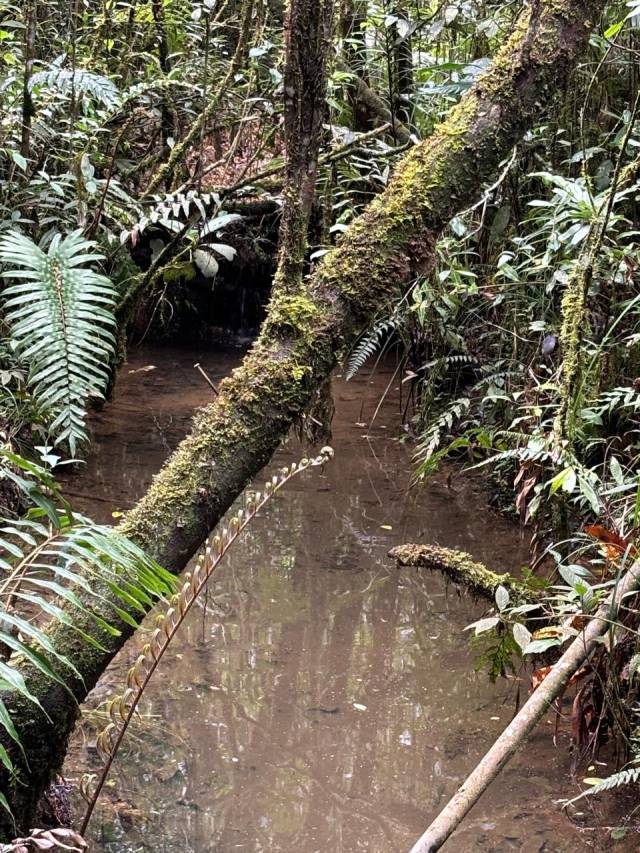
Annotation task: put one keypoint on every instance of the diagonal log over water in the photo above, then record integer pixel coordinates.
(301, 342)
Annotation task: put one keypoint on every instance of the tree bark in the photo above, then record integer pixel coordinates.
(28, 110)
(403, 61)
(300, 344)
(353, 16)
(308, 35)
(167, 123)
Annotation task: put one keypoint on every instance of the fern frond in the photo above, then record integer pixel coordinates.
(630, 776)
(458, 359)
(431, 439)
(369, 344)
(53, 555)
(80, 81)
(60, 316)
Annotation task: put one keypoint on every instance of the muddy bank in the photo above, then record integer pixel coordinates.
(319, 699)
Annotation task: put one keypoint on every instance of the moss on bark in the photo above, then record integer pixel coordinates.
(301, 343)
(462, 569)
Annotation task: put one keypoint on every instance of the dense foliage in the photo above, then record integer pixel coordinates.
(138, 140)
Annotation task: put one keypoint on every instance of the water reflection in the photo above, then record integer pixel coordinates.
(318, 699)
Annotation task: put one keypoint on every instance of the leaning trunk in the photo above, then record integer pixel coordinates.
(300, 344)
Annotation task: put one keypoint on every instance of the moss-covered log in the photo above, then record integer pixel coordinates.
(303, 338)
(462, 569)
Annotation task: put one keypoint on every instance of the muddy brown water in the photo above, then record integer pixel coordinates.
(319, 699)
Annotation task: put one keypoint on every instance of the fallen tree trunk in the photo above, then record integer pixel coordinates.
(462, 569)
(527, 718)
(299, 346)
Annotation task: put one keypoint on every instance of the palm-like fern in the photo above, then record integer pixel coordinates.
(53, 556)
(60, 314)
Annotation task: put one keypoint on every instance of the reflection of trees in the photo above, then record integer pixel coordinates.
(308, 614)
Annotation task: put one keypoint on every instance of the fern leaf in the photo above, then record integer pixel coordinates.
(81, 81)
(60, 316)
(53, 554)
(427, 454)
(369, 344)
(630, 776)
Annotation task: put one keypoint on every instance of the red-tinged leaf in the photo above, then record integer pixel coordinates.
(614, 543)
(539, 676)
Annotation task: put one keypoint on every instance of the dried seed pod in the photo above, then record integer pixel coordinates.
(85, 785)
(195, 580)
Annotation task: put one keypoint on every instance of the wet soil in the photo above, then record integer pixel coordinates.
(319, 699)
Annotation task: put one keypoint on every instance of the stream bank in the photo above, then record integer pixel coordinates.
(320, 699)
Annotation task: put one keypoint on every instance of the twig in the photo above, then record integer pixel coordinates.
(199, 367)
(123, 708)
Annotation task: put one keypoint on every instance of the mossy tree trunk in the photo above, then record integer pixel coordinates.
(308, 39)
(158, 12)
(302, 340)
(353, 15)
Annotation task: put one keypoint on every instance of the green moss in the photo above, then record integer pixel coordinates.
(294, 312)
(462, 569)
(574, 323)
(179, 272)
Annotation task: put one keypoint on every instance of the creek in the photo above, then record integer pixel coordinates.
(319, 699)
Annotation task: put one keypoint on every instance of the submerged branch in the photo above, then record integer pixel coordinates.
(462, 569)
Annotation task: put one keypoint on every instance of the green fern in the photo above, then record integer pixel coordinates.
(60, 316)
(369, 344)
(630, 776)
(51, 556)
(428, 456)
(82, 82)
